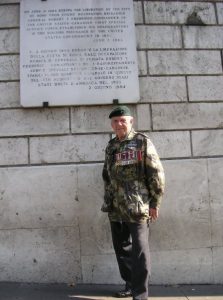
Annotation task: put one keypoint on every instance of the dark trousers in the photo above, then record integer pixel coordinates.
(131, 245)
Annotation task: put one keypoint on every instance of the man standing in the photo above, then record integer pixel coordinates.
(134, 183)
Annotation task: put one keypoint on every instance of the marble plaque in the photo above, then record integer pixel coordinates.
(77, 52)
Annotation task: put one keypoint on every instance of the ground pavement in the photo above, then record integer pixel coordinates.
(25, 291)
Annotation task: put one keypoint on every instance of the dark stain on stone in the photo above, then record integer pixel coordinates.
(194, 19)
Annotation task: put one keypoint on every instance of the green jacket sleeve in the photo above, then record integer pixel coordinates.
(154, 175)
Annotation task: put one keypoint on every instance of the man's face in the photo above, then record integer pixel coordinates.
(122, 126)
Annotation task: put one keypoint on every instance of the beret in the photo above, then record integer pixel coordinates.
(120, 111)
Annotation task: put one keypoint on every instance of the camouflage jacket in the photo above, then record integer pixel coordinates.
(133, 178)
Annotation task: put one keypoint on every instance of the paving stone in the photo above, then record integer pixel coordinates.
(202, 291)
(165, 292)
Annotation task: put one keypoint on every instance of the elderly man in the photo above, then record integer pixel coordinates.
(134, 183)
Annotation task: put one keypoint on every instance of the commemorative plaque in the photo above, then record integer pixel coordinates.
(77, 52)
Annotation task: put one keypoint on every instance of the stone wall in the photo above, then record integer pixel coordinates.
(51, 227)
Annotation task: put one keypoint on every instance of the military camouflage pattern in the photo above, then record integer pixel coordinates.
(133, 178)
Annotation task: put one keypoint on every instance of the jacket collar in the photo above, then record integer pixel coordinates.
(129, 136)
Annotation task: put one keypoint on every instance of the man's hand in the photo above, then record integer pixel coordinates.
(153, 212)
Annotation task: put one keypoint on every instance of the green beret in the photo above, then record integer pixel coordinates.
(120, 111)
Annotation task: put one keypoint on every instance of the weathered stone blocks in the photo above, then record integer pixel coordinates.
(190, 265)
(9, 41)
(9, 1)
(9, 67)
(201, 37)
(151, 37)
(187, 116)
(13, 151)
(162, 89)
(143, 119)
(218, 264)
(205, 88)
(215, 169)
(9, 16)
(138, 14)
(38, 197)
(95, 232)
(184, 62)
(171, 144)
(52, 229)
(40, 255)
(185, 206)
(9, 94)
(100, 269)
(220, 12)
(142, 63)
(80, 148)
(16, 122)
(207, 142)
(177, 12)
(92, 118)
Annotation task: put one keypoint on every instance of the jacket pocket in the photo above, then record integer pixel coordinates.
(137, 208)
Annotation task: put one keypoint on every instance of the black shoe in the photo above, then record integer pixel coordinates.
(123, 294)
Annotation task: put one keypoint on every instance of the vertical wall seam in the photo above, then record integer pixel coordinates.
(221, 53)
(28, 145)
(147, 63)
(151, 116)
(211, 223)
(79, 231)
(216, 13)
(182, 37)
(70, 127)
(143, 12)
(191, 144)
(187, 88)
